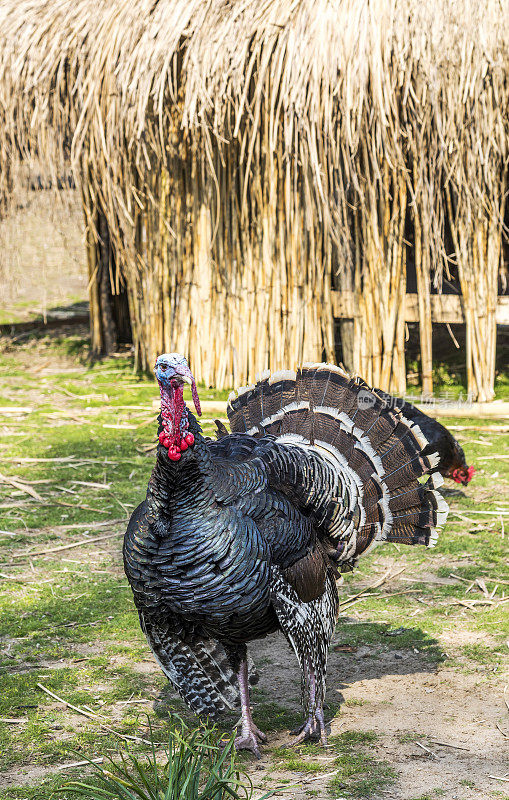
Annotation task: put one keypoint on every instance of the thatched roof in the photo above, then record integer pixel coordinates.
(349, 101)
(115, 69)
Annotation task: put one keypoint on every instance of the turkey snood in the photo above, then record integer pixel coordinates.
(175, 434)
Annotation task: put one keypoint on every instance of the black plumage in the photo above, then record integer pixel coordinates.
(452, 462)
(246, 535)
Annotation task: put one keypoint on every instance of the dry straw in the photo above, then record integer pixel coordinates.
(251, 156)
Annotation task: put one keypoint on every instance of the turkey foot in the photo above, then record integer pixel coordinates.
(250, 740)
(250, 736)
(312, 730)
(258, 734)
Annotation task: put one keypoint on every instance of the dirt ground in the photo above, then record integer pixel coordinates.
(438, 728)
(452, 714)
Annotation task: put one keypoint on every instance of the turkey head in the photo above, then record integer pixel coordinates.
(172, 372)
(462, 474)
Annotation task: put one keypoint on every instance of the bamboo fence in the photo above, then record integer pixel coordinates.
(243, 159)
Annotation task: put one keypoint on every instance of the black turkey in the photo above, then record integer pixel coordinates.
(452, 462)
(246, 535)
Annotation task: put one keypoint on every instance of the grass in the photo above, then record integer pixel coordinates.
(357, 773)
(360, 774)
(387, 637)
(52, 606)
(67, 619)
(435, 794)
(193, 766)
(23, 311)
(449, 367)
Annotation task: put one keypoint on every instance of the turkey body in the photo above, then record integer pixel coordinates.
(246, 535)
(202, 553)
(208, 549)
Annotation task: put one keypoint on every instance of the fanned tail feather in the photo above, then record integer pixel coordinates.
(377, 452)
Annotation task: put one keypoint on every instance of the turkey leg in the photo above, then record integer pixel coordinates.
(314, 727)
(250, 736)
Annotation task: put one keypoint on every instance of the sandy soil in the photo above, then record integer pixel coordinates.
(403, 694)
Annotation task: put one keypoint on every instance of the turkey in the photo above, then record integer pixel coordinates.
(246, 535)
(452, 462)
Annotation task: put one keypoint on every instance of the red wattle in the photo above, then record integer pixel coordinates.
(183, 445)
(189, 438)
(173, 454)
(166, 442)
(162, 436)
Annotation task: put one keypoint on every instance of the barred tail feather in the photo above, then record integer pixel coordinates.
(198, 669)
(376, 452)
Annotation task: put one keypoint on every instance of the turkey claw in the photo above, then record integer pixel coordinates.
(251, 739)
(249, 742)
(260, 735)
(313, 730)
(298, 729)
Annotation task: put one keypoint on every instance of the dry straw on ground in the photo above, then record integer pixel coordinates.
(250, 156)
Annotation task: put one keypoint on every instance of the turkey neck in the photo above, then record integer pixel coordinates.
(177, 485)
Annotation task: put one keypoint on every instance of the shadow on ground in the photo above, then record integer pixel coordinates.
(360, 651)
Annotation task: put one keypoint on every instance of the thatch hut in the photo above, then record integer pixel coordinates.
(252, 171)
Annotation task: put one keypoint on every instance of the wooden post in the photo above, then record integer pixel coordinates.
(109, 330)
(422, 270)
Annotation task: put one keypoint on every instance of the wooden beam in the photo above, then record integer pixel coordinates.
(444, 307)
(495, 409)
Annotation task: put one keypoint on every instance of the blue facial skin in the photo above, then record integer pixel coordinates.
(165, 372)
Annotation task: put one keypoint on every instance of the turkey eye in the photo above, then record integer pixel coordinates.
(163, 367)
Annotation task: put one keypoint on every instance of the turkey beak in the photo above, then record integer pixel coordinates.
(187, 379)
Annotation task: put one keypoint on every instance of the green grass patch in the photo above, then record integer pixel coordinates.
(384, 636)
(360, 774)
(194, 765)
(299, 760)
(435, 794)
(408, 737)
(272, 716)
